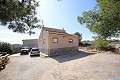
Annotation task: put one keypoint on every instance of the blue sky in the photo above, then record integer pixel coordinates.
(55, 14)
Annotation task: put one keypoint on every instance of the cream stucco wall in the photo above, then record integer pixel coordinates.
(43, 42)
(30, 43)
(63, 41)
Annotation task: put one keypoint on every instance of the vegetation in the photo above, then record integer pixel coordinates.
(19, 15)
(16, 49)
(101, 43)
(5, 47)
(79, 36)
(103, 20)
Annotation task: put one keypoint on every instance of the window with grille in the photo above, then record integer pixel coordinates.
(55, 40)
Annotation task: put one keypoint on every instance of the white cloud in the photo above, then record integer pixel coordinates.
(6, 32)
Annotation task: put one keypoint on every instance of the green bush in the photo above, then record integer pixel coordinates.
(101, 43)
(5, 47)
(16, 49)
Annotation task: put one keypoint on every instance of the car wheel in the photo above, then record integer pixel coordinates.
(39, 55)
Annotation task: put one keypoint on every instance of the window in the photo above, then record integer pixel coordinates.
(35, 49)
(70, 40)
(55, 40)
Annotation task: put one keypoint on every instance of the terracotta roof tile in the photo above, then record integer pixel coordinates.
(53, 30)
(56, 31)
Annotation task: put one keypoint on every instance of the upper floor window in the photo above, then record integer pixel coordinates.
(55, 40)
(70, 40)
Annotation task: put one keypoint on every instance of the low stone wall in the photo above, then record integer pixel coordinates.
(60, 51)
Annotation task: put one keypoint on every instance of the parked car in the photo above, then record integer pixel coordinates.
(34, 52)
(24, 51)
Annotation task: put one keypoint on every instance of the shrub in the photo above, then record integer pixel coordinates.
(101, 43)
(16, 49)
(5, 47)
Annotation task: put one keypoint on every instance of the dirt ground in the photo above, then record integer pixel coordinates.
(75, 66)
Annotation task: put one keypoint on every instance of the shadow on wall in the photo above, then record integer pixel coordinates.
(71, 56)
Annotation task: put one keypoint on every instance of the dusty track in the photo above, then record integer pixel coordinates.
(78, 66)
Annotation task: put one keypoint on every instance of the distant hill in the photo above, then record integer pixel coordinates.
(19, 45)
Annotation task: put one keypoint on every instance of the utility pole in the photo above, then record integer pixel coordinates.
(42, 24)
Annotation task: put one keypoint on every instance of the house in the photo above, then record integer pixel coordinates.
(57, 41)
(30, 43)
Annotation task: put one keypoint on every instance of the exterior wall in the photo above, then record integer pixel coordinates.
(30, 43)
(47, 46)
(43, 42)
(63, 46)
(66, 50)
(63, 41)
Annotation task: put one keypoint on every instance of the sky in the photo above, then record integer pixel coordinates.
(55, 14)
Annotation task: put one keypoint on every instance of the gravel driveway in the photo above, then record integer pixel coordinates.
(77, 66)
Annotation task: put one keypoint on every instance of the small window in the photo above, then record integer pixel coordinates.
(55, 40)
(70, 40)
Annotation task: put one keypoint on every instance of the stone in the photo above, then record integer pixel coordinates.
(66, 50)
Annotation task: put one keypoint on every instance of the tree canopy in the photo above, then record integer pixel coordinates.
(104, 19)
(19, 15)
(79, 35)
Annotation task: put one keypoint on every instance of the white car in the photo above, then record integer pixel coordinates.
(24, 51)
(34, 52)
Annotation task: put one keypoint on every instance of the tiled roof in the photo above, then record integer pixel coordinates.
(54, 30)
